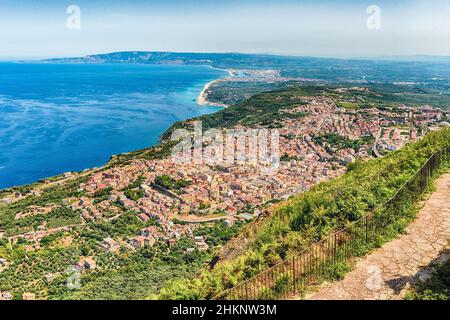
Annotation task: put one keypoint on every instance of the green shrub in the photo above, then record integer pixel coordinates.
(326, 207)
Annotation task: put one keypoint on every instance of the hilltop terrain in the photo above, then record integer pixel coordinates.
(127, 228)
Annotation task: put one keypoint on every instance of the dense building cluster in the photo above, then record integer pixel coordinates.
(316, 143)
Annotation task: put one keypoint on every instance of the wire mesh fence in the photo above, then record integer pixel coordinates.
(307, 268)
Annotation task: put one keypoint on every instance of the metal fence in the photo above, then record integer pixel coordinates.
(311, 265)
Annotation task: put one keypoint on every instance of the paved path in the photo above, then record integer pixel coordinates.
(387, 272)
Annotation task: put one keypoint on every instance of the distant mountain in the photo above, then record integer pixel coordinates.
(225, 60)
(417, 58)
(432, 71)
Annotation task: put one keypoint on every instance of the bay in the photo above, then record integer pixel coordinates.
(56, 118)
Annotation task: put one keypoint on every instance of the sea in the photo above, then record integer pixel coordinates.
(57, 118)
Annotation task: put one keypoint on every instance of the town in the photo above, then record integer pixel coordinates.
(317, 142)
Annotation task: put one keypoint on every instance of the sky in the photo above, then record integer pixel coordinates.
(31, 29)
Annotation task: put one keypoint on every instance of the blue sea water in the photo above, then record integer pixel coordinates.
(56, 118)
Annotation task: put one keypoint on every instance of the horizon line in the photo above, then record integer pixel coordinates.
(346, 57)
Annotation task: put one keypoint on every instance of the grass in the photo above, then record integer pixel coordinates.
(337, 271)
(347, 105)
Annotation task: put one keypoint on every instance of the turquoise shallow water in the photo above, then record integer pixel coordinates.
(56, 118)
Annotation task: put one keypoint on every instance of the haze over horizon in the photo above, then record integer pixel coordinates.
(324, 28)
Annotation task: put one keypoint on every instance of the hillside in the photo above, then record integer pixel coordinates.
(411, 257)
(264, 108)
(122, 226)
(308, 217)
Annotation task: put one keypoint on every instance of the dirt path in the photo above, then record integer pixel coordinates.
(387, 272)
(199, 219)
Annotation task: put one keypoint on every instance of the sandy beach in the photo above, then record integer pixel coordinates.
(202, 99)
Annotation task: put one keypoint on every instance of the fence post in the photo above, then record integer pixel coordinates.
(293, 274)
(367, 229)
(246, 290)
(335, 248)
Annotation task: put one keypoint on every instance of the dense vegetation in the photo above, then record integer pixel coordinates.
(160, 151)
(437, 287)
(261, 109)
(53, 194)
(235, 92)
(102, 195)
(335, 141)
(134, 191)
(141, 274)
(314, 214)
(169, 183)
(126, 274)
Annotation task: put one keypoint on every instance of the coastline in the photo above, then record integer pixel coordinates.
(192, 101)
(202, 99)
